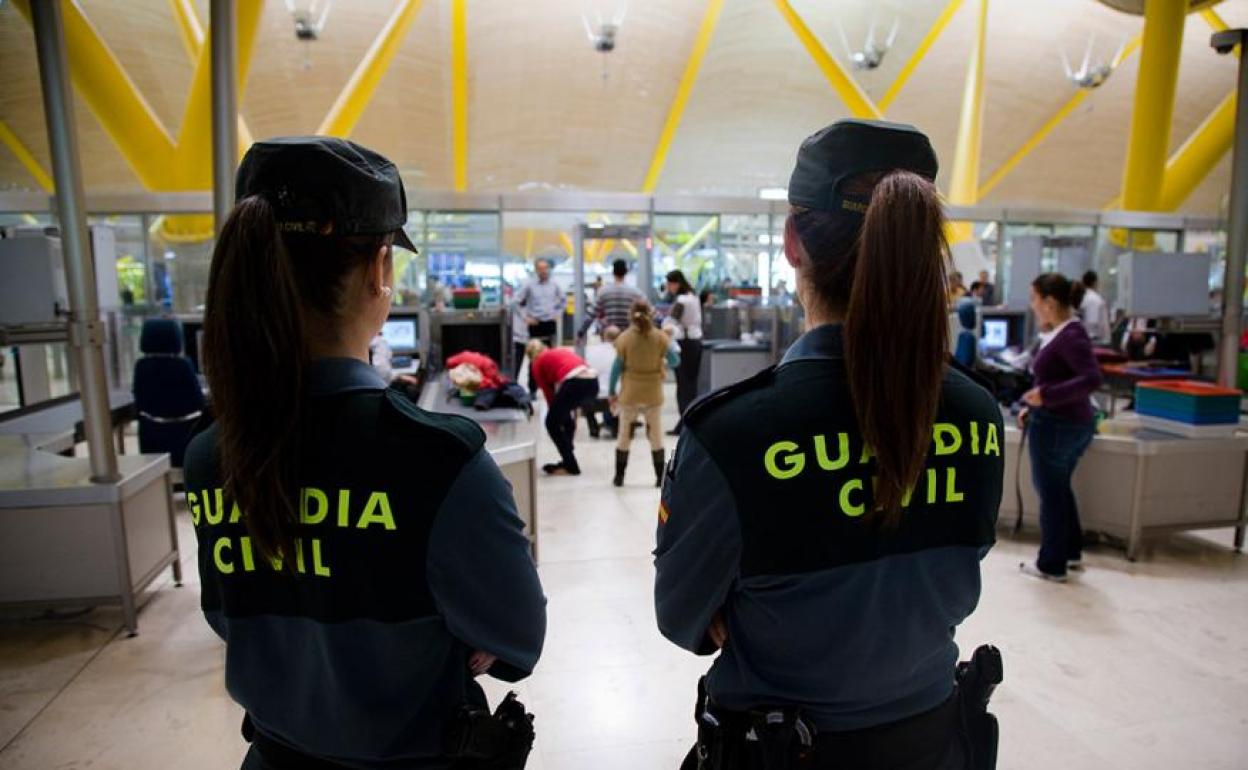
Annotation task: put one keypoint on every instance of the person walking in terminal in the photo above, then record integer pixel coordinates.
(641, 353)
(358, 594)
(1093, 311)
(822, 523)
(542, 301)
(686, 326)
(568, 384)
(614, 302)
(1060, 424)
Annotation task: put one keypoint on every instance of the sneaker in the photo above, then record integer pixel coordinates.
(1075, 565)
(551, 467)
(1032, 570)
(559, 469)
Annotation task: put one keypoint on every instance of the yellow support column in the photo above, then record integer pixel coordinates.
(459, 93)
(1149, 140)
(194, 147)
(192, 34)
(1192, 162)
(358, 91)
(677, 109)
(859, 104)
(925, 45)
(123, 112)
(25, 157)
(964, 179)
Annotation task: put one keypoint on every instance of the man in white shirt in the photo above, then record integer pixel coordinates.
(1093, 310)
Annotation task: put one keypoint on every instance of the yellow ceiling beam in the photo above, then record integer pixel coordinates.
(358, 92)
(925, 45)
(459, 93)
(697, 238)
(194, 148)
(964, 179)
(25, 157)
(1215, 21)
(1053, 122)
(126, 116)
(191, 33)
(706, 30)
(1155, 87)
(859, 104)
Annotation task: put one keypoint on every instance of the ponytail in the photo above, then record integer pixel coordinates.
(254, 355)
(268, 292)
(896, 331)
(641, 318)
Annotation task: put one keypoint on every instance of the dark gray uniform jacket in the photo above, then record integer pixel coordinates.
(762, 516)
(410, 556)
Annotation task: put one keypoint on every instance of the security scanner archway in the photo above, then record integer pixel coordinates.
(598, 241)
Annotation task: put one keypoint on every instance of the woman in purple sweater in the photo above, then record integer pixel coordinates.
(1060, 422)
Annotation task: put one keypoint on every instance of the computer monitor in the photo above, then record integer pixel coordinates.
(996, 334)
(400, 334)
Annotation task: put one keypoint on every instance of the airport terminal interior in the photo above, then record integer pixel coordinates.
(548, 150)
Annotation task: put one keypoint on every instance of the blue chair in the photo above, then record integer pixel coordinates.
(967, 344)
(167, 394)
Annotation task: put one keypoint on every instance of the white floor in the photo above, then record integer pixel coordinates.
(1133, 665)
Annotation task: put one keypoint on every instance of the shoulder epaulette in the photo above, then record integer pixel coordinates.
(708, 401)
(464, 430)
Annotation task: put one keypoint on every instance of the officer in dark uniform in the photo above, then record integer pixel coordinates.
(362, 559)
(822, 523)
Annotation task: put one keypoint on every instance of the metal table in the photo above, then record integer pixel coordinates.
(67, 540)
(511, 442)
(1134, 482)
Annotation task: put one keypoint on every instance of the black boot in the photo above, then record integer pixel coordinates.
(621, 462)
(657, 456)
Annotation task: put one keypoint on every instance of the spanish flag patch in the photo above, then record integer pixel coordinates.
(663, 512)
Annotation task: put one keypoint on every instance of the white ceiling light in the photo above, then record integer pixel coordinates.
(872, 52)
(603, 28)
(773, 193)
(1092, 75)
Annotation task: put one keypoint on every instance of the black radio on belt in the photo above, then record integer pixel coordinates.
(499, 741)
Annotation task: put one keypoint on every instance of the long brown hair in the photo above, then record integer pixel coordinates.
(266, 291)
(887, 277)
(640, 316)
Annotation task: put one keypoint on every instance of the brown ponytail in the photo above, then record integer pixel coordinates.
(896, 331)
(267, 292)
(641, 318)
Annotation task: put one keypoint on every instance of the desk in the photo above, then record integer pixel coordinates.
(65, 414)
(1134, 482)
(511, 442)
(66, 540)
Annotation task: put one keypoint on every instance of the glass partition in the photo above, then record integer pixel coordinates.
(462, 252)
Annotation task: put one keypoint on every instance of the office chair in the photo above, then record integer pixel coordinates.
(167, 394)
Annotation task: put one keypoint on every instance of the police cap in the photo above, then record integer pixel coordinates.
(848, 148)
(320, 182)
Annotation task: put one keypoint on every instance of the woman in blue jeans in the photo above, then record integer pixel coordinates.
(1060, 422)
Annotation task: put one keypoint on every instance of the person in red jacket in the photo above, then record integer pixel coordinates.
(569, 384)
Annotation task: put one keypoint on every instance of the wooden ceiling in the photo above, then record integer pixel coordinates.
(542, 116)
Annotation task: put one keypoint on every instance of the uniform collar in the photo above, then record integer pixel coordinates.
(329, 376)
(820, 343)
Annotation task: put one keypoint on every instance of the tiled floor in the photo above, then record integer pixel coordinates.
(1133, 665)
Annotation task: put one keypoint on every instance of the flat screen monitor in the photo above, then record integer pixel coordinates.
(400, 334)
(996, 334)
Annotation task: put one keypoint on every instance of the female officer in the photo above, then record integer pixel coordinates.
(362, 559)
(686, 325)
(1060, 423)
(822, 523)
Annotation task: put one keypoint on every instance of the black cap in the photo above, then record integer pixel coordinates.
(850, 147)
(317, 181)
